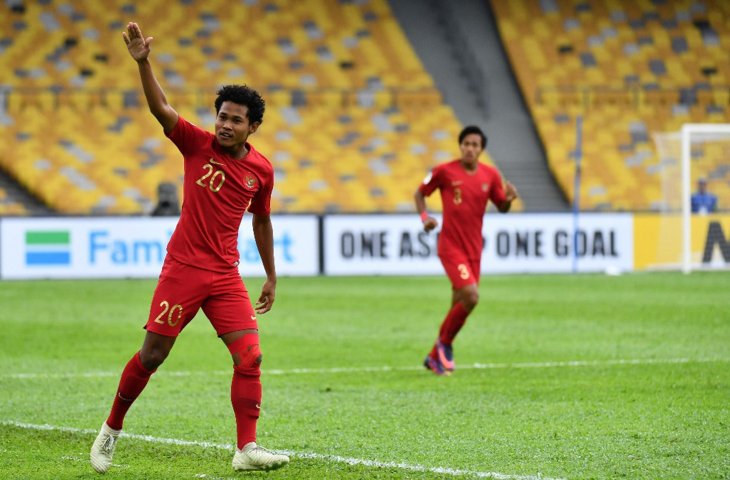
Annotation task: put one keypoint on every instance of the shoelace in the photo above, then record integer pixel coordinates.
(108, 445)
(261, 449)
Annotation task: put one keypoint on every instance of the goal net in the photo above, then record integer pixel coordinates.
(692, 232)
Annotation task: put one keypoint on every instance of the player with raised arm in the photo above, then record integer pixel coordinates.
(466, 187)
(224, 177)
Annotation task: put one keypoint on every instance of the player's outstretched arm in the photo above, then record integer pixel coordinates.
(429, 223)
(510, 193)
(139, 49)
(263, 233)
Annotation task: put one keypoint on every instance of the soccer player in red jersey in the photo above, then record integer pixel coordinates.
(224, 177)
(466, 188)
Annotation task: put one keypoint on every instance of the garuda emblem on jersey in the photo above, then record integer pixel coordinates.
(250, 181)
(485, 187)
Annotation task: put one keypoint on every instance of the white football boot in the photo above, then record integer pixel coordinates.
(103, 448)
(253, 457)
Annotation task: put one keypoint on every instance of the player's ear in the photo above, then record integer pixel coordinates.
(253, 127)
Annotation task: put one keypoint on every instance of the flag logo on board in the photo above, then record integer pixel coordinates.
(47, 247)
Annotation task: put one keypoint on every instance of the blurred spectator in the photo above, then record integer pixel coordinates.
(167, 204)
(702, 201)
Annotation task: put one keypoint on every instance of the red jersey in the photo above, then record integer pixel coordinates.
(217, 191)
(464, 196)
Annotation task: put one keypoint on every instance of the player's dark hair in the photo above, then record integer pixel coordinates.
(473, 129)
(242, 95)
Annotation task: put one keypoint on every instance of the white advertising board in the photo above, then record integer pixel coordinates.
(514, 243)
(135, 247)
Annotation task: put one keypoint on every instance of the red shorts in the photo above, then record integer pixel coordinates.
(460, 270)
(183, 290)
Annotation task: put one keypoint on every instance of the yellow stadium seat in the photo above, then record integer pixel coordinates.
(619, 117)
(91, 140)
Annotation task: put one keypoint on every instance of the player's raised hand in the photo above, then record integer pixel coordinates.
(510, 192)
(266, 300)
(137, 44)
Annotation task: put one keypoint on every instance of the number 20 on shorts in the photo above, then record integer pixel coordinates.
(173, 314)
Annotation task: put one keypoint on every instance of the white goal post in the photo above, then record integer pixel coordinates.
(695, 151)
(687, 135)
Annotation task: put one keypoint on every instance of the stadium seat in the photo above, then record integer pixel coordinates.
(10, 207)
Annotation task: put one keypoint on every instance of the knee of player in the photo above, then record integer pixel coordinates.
(471, 299)
(249, 362)
(152, 358)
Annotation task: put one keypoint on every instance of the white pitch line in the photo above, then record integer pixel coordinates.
(308, 455)
(381, 369)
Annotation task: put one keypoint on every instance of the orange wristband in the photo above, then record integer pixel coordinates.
(424, 216)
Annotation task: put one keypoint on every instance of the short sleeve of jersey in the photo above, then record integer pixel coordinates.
(431, 182)
(188, 137)
(261, 202)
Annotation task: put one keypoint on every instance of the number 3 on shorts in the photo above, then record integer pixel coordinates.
(463, 271)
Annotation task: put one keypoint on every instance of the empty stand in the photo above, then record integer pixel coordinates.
(353, 120)
(629, 69)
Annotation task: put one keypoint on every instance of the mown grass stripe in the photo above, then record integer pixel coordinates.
(306, 455)
(382, 369)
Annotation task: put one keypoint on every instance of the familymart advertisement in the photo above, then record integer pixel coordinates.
(135, 247)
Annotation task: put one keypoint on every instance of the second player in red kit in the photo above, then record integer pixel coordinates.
(466, 186)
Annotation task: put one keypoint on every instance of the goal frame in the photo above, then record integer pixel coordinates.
(688, 129)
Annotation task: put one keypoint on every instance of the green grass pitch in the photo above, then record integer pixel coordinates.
(558, 376)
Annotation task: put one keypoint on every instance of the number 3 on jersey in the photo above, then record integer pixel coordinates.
(457, 196)
(217, 177)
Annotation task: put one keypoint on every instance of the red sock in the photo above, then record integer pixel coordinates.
(246, 387)
(453, 322)
(134, 379)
